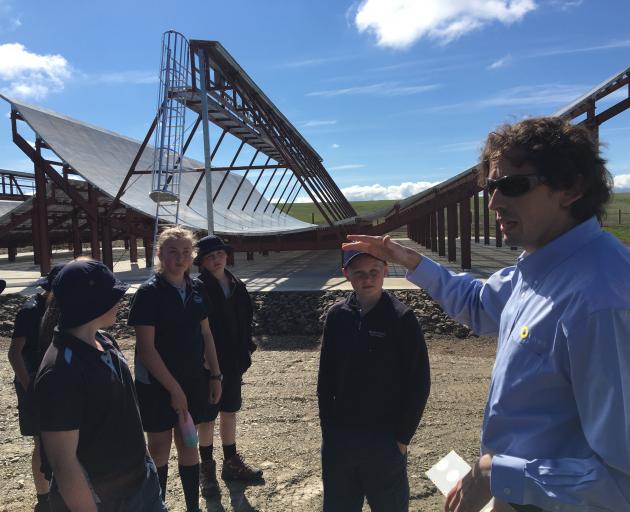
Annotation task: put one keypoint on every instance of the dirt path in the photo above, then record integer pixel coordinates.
(278, 428)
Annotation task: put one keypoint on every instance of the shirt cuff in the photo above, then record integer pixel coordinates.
(425, 274)
(507, 478)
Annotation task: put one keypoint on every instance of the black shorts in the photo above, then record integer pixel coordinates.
(231, 399)
(28, 412)
(155, 404)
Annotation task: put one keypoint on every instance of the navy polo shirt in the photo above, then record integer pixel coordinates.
(177, 323)
(81, 388)
(27, 325)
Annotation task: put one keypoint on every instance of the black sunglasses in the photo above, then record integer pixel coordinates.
(513, 186)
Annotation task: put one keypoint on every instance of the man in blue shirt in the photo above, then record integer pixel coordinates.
(556, 428)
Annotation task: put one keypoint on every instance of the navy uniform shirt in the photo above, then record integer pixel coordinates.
(374, 368)
(177, 324)
(81, 388)
(231, 323)
(27, 325)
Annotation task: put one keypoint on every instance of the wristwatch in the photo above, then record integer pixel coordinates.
(218, 377)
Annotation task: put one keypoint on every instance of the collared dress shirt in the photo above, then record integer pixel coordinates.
(557, 420)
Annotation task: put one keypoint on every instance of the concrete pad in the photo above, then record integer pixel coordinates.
(280, 271)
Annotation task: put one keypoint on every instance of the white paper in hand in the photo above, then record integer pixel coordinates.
(448, 471)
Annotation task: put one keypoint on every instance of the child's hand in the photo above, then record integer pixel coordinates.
(178, 401)
(214, 391)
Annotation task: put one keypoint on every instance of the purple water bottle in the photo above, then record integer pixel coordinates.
(188, 430)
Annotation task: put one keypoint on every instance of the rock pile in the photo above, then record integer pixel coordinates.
(283, 313)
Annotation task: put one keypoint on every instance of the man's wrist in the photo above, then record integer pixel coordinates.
(216, 376)
(411, 259)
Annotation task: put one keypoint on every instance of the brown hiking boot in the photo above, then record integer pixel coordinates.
(235, 468)
(208, 479)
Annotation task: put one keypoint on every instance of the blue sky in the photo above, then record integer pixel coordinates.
(395, 95)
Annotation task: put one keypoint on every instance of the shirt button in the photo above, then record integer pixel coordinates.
(507, 491)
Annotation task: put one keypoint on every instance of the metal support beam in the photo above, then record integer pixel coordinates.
(214, 151)
(240, 184)
(451, 229)
(486, 218)
(476, 216)
(42, 211)
(464, 233)
(440, 231)
(265, 189)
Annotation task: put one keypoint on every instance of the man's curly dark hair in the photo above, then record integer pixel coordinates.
(561, 152)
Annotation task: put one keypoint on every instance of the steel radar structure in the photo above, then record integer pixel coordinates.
(91, 185)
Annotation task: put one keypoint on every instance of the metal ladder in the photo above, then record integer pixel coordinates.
(169, 133)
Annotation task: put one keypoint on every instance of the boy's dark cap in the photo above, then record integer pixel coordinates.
(46, 281)
(85, 290)
(208, 244)
(349, 255)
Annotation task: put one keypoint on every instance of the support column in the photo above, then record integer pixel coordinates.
(12, 252)
(476, 215)
(133, 249)
(94, 243)
(250, 256)
(486, 219)
(427, 232)
(440, 231)
(464, 231)
(42, 215)
(148, 251)
(35, 227)
(451, 228)
(77, 246)
(434, 235)
(108, 255)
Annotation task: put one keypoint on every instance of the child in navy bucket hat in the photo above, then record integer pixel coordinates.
(230, 315)
(25, 356)
(89, 419)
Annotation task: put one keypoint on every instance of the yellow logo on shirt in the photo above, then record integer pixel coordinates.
(524, 332)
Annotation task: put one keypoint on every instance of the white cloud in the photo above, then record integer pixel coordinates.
(31, 75)
(311, 124)
(372, 192)
(346, 167)
(126, 77)
(456, 147)
(622, 182)
(500, 63)
(565, 5)
(522, 96)
(380, 89)
(335, 146)
(313, 62)
(9, 20)
(400, 23)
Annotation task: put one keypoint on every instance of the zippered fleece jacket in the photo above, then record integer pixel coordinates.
(374, 368)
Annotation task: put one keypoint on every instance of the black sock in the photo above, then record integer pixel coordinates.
(189, 476)
(42, 498)
(229, 450)
(205, 452)
(162, 472)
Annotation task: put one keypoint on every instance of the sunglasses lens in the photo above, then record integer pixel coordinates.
(515, 186)
(510, 186)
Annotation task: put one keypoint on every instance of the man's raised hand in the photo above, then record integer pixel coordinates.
(384, 248)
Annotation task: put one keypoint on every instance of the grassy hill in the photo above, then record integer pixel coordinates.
(308, 212)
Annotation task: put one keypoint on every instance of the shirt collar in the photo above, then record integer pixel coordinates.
(537, 265)
(65, 339)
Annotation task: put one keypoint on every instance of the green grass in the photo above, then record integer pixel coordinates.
(308, 212)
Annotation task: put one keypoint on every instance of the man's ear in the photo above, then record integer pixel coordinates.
(386, 270)
(345, 273)
(571, 195)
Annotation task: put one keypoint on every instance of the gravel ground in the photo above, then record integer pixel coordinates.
(278, 427)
